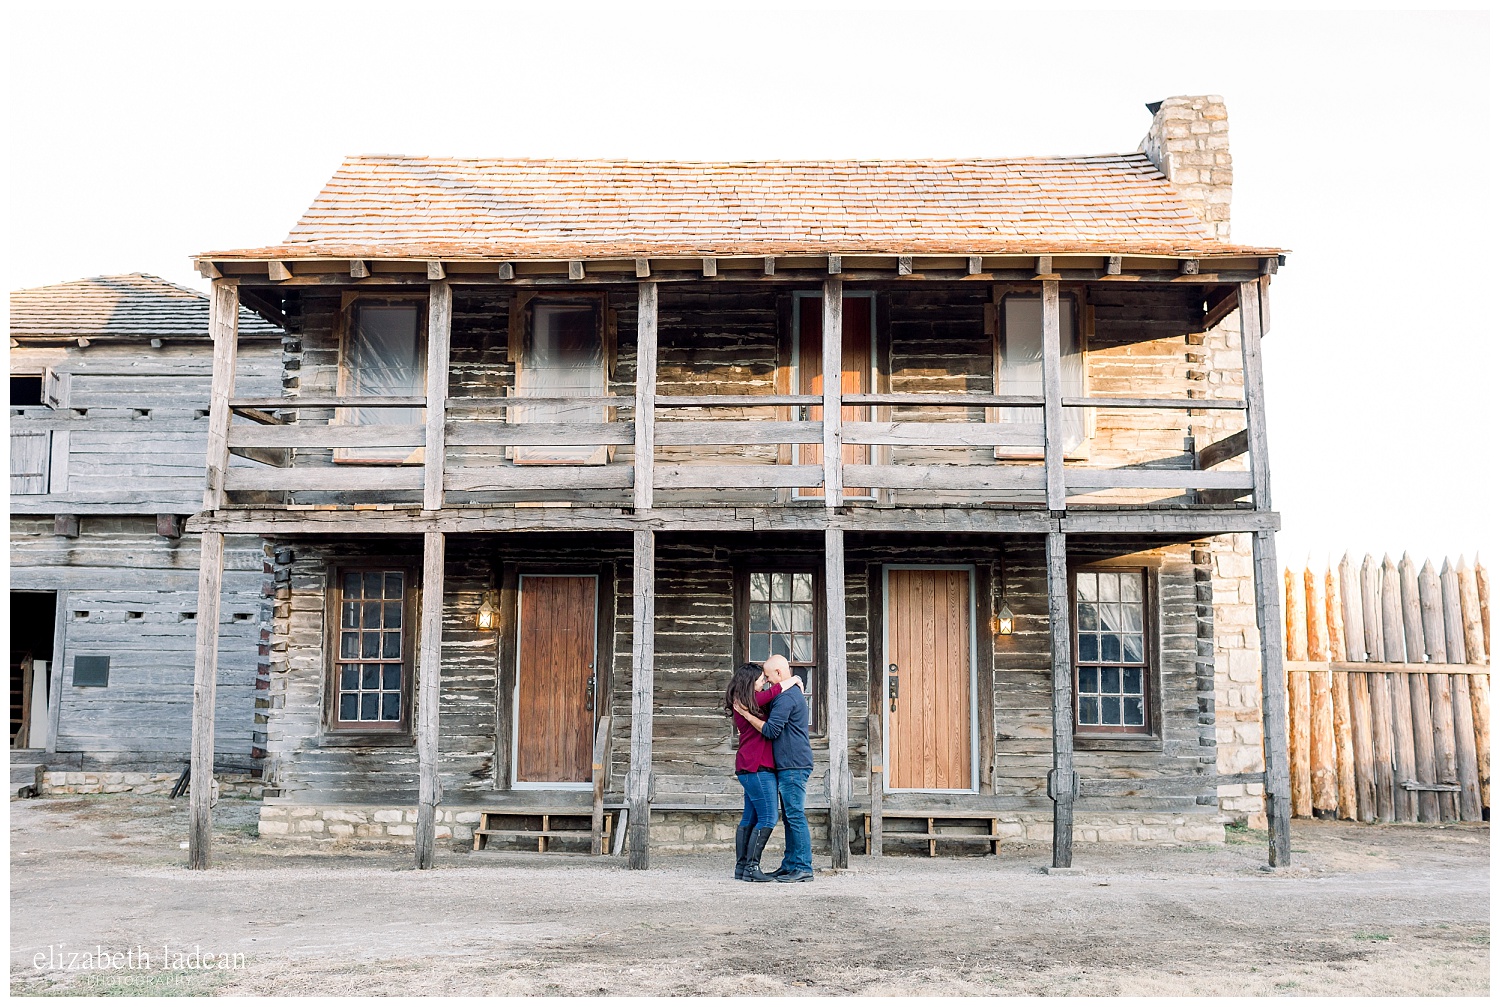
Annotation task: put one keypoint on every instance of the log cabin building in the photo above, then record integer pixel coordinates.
(109, 381)
(561, 442)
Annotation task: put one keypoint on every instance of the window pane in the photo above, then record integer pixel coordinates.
(391, 677)
(370, 677)
(349, 676)
(1109, 647)
(802, 648)
(371, 615)
(370, 645)
(390, 706)
(1132, 617)
(760, 587)
(369, 706)
(1088, 710)
(348, 645)
(392, 646)
(374, 585)
(781, 587)
(1088, 616)
(1130, 587)
(349, 706)
(1135, 649)
(760, 618)
(781, 646)
(1109, 679)
(1088, 679)
(1088, 648)
(1109, 710)
(1132, 681)
(350, 618)
(781, 618)
(1109, 587)
(393, 584)
(802, 587)
(393, 615)
(352, 584)
(760, 647)
(1135, 712)
(802, 618)
(1087, 587)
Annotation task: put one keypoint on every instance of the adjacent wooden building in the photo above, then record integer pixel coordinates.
(109, 381)
(559, 442)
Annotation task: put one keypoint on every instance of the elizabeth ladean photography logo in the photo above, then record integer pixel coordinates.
(58, 958)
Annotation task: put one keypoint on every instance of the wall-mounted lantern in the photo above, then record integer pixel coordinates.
(1005, 622)
(488, 616)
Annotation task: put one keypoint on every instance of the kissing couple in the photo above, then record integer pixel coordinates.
(769, 707)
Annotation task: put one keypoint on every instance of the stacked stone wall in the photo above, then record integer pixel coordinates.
(64, 782)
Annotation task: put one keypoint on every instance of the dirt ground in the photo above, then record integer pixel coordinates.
(1384, 910)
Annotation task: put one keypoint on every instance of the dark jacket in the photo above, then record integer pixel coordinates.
(786, 726)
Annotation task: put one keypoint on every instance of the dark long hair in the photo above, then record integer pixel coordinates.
(742, 688)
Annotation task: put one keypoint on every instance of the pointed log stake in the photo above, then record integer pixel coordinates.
(1323, 761)
(1343, 730)
(1440, 690)
(1482, 582)
(1469, 807)
(1479, 685)
(1380, 695)
(1354, 613)
(1359, 691)
(1395, 651)
(429, 689)
(1298, 699)
(1420, 698)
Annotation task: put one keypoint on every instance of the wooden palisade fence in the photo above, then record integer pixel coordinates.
(1388, 691)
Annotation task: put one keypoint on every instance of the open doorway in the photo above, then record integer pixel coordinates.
(33, 617)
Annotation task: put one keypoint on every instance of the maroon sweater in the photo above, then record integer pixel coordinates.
(755, 749)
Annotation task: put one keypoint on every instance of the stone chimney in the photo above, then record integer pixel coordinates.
(1189, 142)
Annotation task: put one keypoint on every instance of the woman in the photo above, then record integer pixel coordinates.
(755, 768)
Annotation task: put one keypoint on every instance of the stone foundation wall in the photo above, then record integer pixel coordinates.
(65, 782)
(705, 832)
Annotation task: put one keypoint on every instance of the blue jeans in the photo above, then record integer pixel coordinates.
(791, 785)
(760, 799)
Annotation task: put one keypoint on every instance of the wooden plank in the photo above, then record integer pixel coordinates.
(1479, 686)
(205, 685)
(541, 477)
(1440, 689)
(737, 401)
(1096, 479)
(1322, 753)
(645, 395)
(1343, 729)
(223, 329)
(330, 402)
(439, 333)
(933, 434)
(1062, 784)
(1221, 451)
(1402, 740)
(738, 476)
(350, 478)
(429, 692)
(837, 696)
(1052, 414)
(949, 477)
(875, 820)
(1125, 402)
(325, 435)
(747, 432)
(1273, 693)
(481, 433)
(965, 400)
(642, 671)
(597, 837)
(1299, 699)
(833, 388)
(1421, 699)
(1255, 396)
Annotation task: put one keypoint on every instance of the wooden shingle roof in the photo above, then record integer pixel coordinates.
(434, 207)
(133, 305)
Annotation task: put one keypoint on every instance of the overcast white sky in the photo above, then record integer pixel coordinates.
(143, 133)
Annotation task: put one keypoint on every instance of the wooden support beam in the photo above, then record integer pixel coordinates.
(976, 265)
(1255, 394)
(429, 689)
(642, 268)
(435, 271)
(359, 269)
(835, 265)
(223, 329)
(439, 338)
(645, 395)
(1112, 265)
(65, 525)
(875, 750)
(207, 269)
(903, 265)
(1044, 265)
(1188, 267)
(205, 682)
(575, 269)
(1268, 590)
(170, 525)
(642, 671)
(770, 265)
(1052, 407)
(839, 780)
(833, 389)
(1062, 783)
(710, 266)
(506, 271)
(278, 270)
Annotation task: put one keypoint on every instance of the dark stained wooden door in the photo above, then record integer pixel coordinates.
(929, 711)
(858, 355)
(554, 672)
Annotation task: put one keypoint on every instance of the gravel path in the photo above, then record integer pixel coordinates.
(1372, 910)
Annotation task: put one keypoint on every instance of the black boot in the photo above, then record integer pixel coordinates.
(741, 845)
(752, 855)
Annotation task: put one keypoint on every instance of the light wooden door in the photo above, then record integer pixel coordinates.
(554, 680)
(858, 356)
(929, 666)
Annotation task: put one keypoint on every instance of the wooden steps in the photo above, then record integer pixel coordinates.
(570, 828)
(939, 828)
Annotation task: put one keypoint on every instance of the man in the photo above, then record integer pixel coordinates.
(786, 727)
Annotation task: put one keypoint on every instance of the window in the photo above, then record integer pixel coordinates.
(1018, 371)
(384, 353)
(781, 616)
(25, 390)
(1110, 648)
(858, 370)
(371, 688)
(562, 356)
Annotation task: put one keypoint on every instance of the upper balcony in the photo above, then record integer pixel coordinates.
(1034, 387)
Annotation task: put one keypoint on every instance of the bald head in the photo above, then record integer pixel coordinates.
(777, 669)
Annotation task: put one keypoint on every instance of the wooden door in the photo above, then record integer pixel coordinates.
(929, 663)
(858, 356)
(554, 680)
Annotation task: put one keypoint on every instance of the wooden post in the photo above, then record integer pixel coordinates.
(838, 697)
(1421, 698)
(439, 335)
(1321, 749)
(1062, 786)
(1403, 743)
(1343, 729)
(429, 690)
(1273, 699)
(1479, 685)
(599, 770)
(833, 392)
(1470, 809)
(1482, 585)
(1298, 699)
(645, 395)
(223, 329)
(1440, 690)
(1052, 410)
(875, 842)
(642, 670)
(205, 682)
